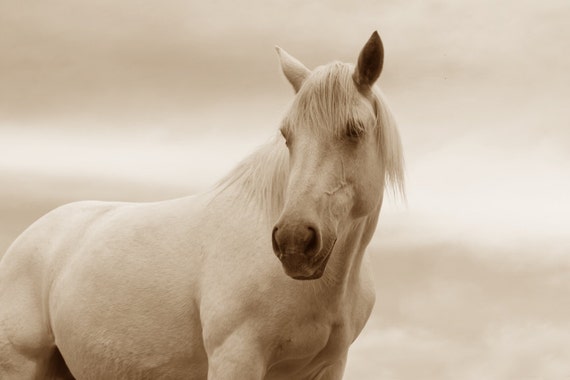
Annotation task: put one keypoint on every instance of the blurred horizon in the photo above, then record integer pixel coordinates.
(142, 101)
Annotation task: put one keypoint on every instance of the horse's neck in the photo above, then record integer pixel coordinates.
(344, 268)
(260, 180)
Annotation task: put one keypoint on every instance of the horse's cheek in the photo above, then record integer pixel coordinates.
(366, 201)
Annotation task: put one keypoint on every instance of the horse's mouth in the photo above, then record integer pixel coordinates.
(318, 272)
(320, 266)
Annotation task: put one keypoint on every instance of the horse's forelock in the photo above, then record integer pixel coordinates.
(325, 102)
(325, 99)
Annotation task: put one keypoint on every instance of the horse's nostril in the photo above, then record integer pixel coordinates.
(312, 242)
(274, 241)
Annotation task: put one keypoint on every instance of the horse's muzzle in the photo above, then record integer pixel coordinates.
(299, 246)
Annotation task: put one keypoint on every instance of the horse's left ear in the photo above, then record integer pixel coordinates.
(370, 62)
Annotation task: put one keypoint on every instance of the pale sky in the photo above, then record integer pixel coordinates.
(144, 59)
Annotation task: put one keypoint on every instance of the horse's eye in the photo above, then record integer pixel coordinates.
(354, 130)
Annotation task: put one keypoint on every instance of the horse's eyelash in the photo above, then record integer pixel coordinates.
(354, 129)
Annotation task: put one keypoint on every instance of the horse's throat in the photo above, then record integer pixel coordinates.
(344, 267)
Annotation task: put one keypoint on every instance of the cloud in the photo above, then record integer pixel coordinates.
(82, 53)
(447, 312)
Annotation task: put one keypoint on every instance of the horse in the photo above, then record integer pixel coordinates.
(263, 276)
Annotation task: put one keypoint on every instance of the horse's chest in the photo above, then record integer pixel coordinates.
(308, 346)
(312, 342)
(306, 341)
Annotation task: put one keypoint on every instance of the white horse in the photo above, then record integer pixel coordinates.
(189, 288)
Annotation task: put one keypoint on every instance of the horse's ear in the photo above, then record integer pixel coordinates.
(294, 71)
(370, 63)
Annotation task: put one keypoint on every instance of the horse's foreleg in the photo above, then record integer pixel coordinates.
(333, 372)
(235, 359)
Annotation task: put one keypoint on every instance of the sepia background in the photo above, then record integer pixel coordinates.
(146, 100)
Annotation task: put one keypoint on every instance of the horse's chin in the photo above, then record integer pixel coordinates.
(318, 273)
(306, 272)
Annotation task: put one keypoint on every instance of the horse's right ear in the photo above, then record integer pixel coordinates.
(294, 70)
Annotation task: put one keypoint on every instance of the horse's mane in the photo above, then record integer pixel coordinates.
(327, 93)
(261, 177)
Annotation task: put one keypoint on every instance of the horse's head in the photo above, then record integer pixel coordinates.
(337, 172)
